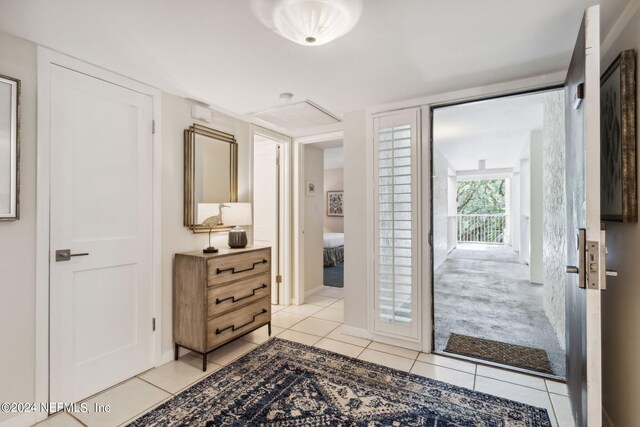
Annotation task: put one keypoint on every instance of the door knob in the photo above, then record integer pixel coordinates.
(572, 269)
(65, 255)
(611, 273)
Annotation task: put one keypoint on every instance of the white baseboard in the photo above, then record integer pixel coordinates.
(606, 421)
(363, 333)
(411, 345)
(356, 332)
(24, 420)
(313, 291)
(168, 356)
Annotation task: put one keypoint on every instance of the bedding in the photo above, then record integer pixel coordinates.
(333, 249)
(333, 240)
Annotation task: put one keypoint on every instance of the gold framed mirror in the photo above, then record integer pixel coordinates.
(210, 175)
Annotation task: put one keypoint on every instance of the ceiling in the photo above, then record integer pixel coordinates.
(216, 51)
(495, 130)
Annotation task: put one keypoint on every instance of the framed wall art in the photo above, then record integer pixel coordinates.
(9, 148)
(335, 203)
(618, 175)
(311, 188)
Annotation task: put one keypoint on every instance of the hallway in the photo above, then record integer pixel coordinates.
(484, 291)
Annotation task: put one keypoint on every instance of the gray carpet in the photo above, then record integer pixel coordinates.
(487, 294)
(334, 276)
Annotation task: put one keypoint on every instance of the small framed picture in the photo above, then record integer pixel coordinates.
(311, 188)
(335, 206)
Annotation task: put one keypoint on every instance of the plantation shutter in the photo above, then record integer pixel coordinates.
(396, 213)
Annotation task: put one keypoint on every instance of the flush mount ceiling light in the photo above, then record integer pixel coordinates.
(308, 22)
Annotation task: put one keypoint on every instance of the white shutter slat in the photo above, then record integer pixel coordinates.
(396, 228)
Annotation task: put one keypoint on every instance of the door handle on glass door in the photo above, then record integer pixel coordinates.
(572, 269)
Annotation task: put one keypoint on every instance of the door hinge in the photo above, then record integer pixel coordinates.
(153, 126)
(153, 324)
(279, 278)
(431, 237)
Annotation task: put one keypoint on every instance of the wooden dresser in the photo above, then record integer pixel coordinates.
(220, 297)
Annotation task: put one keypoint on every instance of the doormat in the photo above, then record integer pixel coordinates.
(282, 383)
(533, 359)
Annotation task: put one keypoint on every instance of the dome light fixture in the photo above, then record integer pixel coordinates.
(309, 22)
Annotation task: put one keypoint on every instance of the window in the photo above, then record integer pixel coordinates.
(396, 223)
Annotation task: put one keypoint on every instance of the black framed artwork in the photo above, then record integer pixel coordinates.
(335, 203)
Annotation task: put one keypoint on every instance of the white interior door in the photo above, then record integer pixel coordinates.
(583, 219)
(266, 204)
(101, 206)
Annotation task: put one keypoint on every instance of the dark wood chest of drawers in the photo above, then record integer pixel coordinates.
(218, 298)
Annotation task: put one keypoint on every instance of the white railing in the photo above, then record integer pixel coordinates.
(481, 228)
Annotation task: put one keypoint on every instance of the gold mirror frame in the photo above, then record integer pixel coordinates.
(190, 133)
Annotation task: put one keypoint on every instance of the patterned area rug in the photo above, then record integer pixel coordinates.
(519, 356)
(289, 384)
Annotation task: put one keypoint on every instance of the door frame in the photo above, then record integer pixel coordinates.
(429, 277)
(425, 103)
(46, 60)
(299, 198)
(288, 278)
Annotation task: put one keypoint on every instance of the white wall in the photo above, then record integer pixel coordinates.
(440, 199)
(357, 235)
(621, 300)
(313, 219)
(176, 116)
(452, 210)
(333, 181)
(554, 217)
(516, 216)
(525, 214)
(536, 270)
(18, 241)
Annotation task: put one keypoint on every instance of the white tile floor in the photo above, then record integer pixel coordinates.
(318, 323)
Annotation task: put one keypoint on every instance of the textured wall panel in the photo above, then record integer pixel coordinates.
(554, 219)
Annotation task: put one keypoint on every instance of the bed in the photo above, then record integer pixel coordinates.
(333, 249)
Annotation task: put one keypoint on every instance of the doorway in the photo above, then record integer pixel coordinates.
(271, 225)
(499, 231)
(321, 215)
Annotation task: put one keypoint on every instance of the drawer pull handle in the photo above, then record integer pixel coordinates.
(234, 328)
(233, 269)
(233, 297)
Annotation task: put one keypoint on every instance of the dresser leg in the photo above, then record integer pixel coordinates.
(269, 328)
(204, 362)
(177, 352)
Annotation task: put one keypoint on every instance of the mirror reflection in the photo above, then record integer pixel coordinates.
(210, 175)
(9, 125)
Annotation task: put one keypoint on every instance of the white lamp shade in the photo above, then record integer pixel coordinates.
(309, 22)
(237, 214)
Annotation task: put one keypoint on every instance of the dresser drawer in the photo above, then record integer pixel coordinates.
(228, 297)
(235, 323)
(239, 266)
